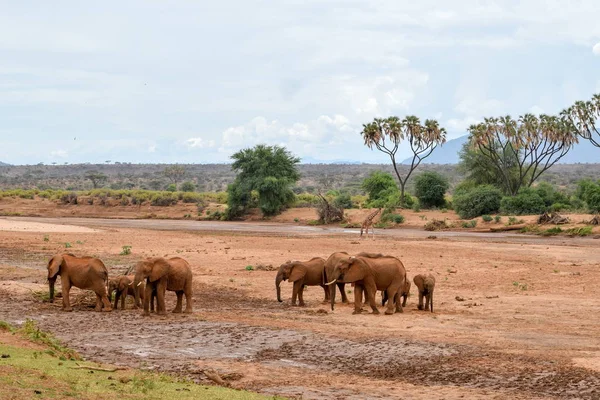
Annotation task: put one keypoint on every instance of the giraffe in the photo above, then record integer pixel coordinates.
(368, 222)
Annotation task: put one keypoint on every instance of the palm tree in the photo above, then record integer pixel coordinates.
(386, 134)
(583, 118)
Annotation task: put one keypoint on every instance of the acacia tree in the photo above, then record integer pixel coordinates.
(269, 171)
(583, 117)
(522, 150)
(386, 135)
(174, 173)
(97, 178)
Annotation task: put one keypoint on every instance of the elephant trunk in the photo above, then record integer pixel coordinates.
(137, 281)
(51, 282)
(278, 280)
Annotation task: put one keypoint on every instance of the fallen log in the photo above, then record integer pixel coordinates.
(79, 366)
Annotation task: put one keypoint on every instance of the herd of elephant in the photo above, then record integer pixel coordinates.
(368, 272)
(153, 277)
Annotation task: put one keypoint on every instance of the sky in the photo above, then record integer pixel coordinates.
(194, 81)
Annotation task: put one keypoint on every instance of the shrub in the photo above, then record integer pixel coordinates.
(343, 201)
(188, 197)
(125, 250)
(497, 219)
(486, 218)
(187, 187)
(526, 202)
(559, 207)
(70, 198)
(171, 188)
(430, 188)
(163, 199)
(471, 203)
(391, 217)
(469, 224)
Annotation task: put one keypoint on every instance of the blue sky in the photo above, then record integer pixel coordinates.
(195, 81)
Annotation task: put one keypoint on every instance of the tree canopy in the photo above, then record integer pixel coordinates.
(534, 143)
(583, 117)
(386, 135)
(270, 171)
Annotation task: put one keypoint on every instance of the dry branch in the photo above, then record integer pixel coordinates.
(79, 366)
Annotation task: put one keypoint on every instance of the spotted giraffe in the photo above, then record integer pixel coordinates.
(368, 222)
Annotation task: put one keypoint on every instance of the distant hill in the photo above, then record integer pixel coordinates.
(3, 164)
(584, 152)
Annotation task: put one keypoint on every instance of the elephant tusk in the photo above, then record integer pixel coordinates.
(139, 284)
(331, 283)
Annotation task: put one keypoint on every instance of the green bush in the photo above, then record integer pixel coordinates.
(188, 197)
(430, 188)
(486, 218)
(163, 199)
(343, 200)
(187, 187)
(560, 207)
(392, 217)
(528, 201)
(171, 188)
(476, 201)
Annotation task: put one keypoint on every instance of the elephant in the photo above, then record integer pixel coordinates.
(425, 284)
(371, 274)
(174, 274)
(330, 265)
(403, 293)
(123, 285)
(81, 272)
(302, 273)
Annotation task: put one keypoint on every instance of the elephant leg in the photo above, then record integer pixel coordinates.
(295, 291)
(147, 299)
(427, 301)
(327, 297)
(420, 306)
(358, 296)
(189, 308)
(161, 308)
(179, 305)
(341, 287)
(123, 298)
(117, 296)
(66, 288)
(404, 299)
(301, 295)
(370, 290)
(398, 302)
(98, 303)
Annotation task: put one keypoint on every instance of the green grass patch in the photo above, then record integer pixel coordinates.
(580, 231)
(33, 373)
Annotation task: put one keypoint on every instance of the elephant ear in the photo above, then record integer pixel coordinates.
(54, 266)
(356, 270)
(298, 272)
(160, 268)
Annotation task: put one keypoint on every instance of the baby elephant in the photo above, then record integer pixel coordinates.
(425, 284)
(403, 293)
(123, 285)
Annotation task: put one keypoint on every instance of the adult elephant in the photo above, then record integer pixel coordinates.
(371, 274)
(330, 266)
(123, 286)
(173, 274)
(81, 272)
(301, 273)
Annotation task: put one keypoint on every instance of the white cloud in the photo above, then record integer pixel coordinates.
(199, 143)
(596, 49)
(458, 126)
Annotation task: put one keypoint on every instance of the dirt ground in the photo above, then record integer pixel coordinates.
(516, 317)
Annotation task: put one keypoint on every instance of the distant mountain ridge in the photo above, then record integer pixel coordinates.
(3, 164)
(584, 152)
